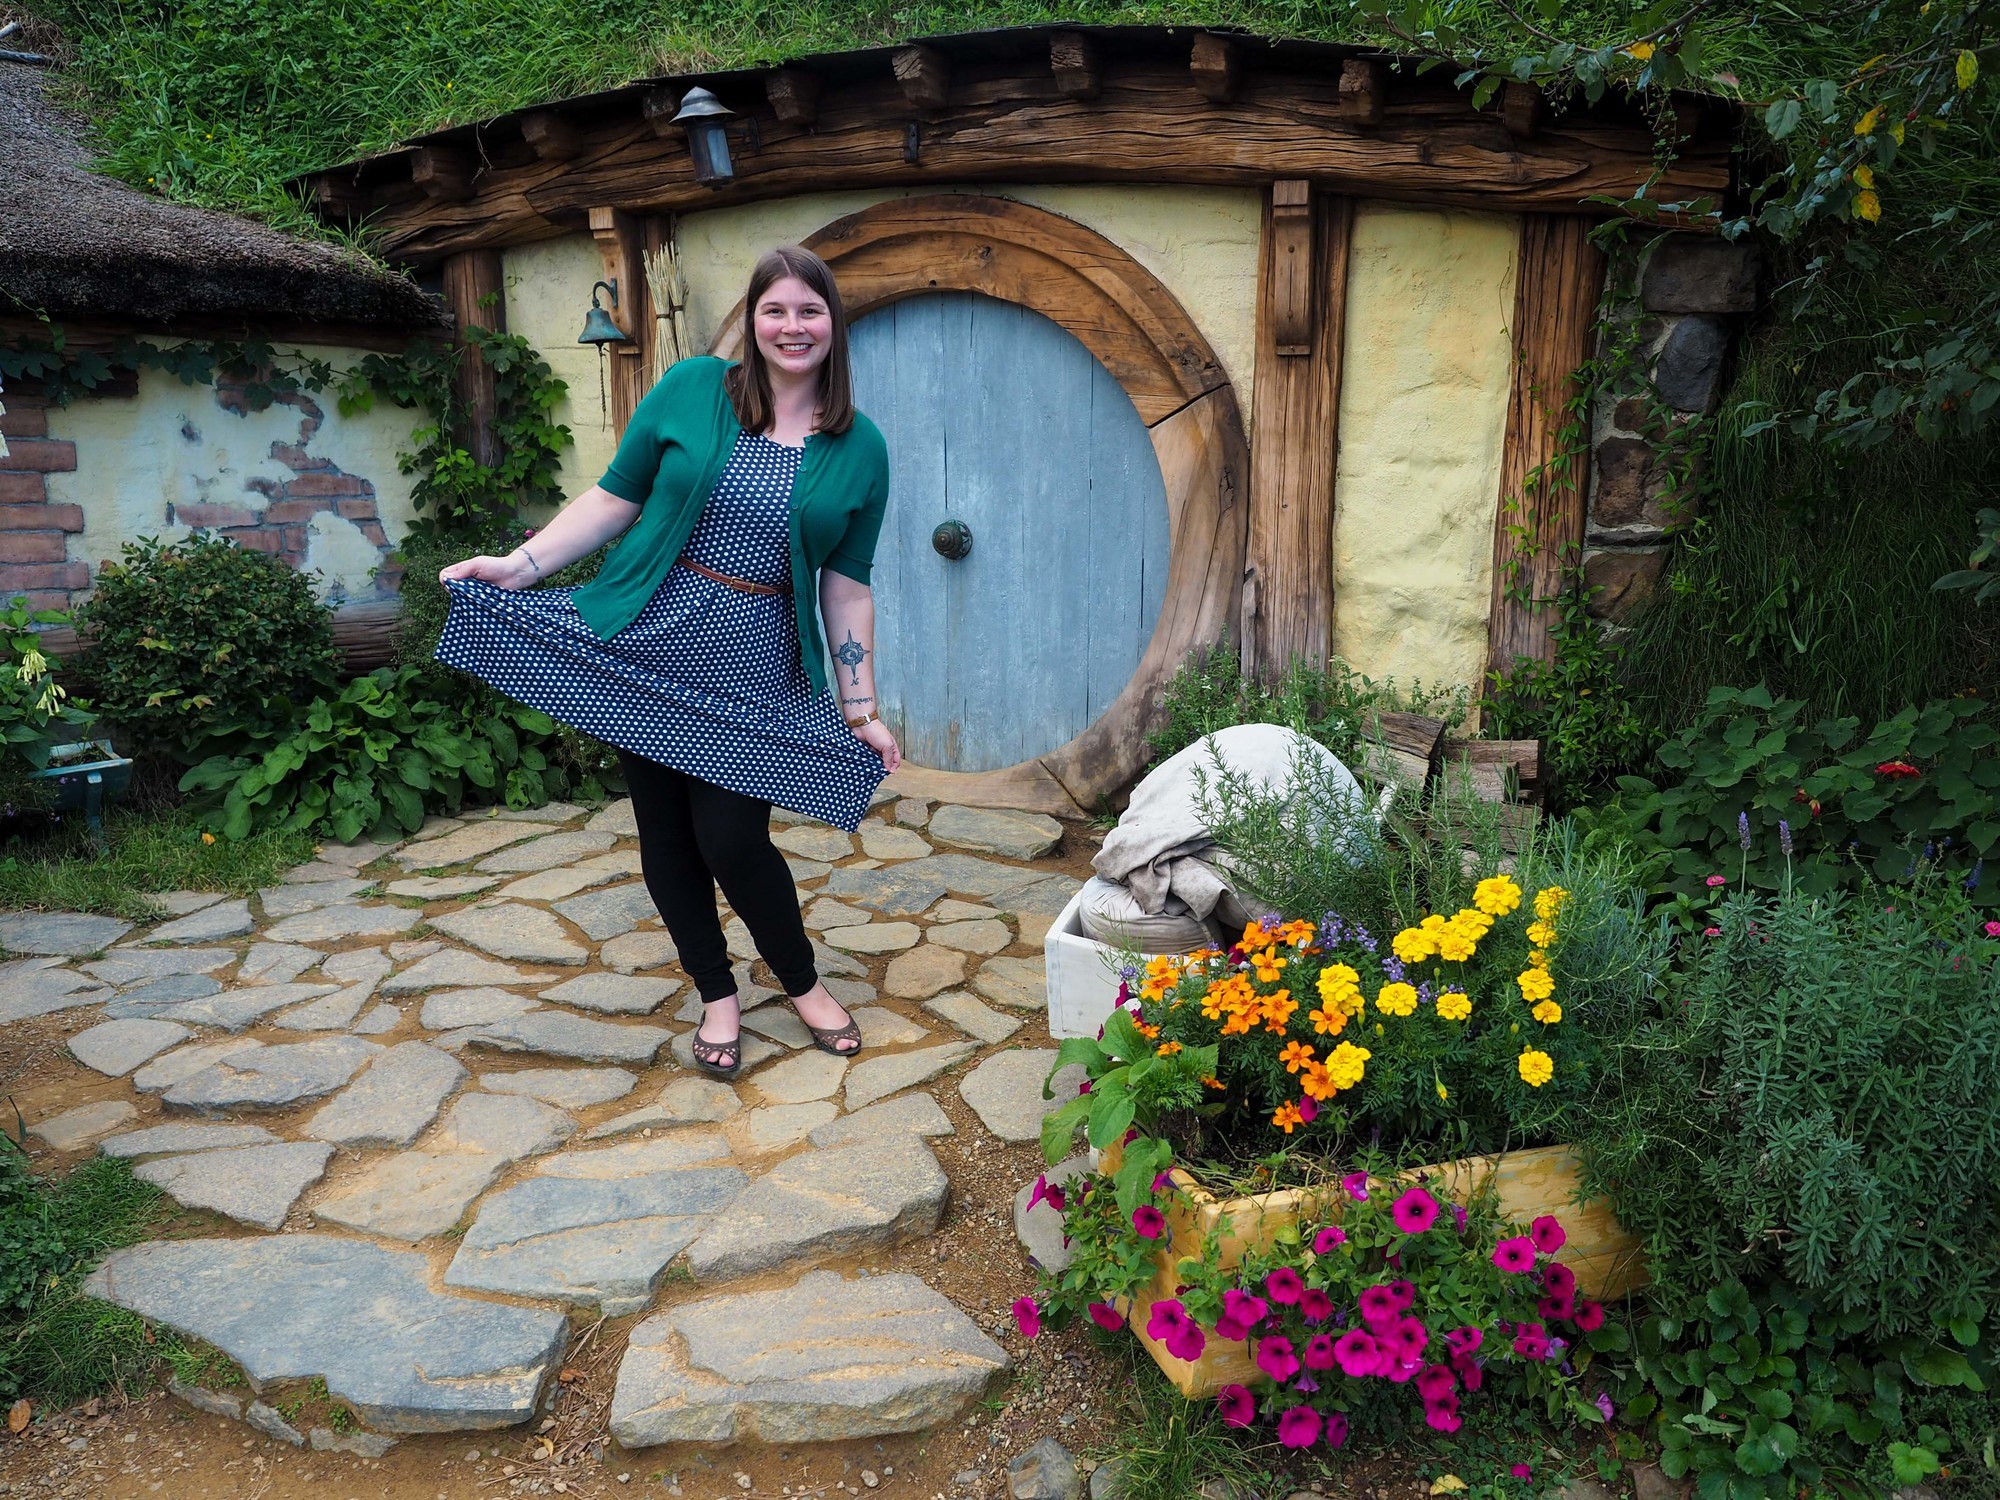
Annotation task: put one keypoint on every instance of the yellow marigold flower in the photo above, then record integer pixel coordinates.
(1337, 976)
(1278, 1008)
(1541, 934)
(1535, 984)
(1538, 958)
(1496, 895)
(1443, 1092)
(1346, 1064)
(1413, 945)
(1167, 1049)
(1286, 1116)
(1470, 919)
(208, 838)
(1548, 1012)
(1294, 1055)
(1433, 924)
(1456, 945)
(1536, 1068)
(1548, 901)
(1397, 999)
(1454, 1006)
(1868, 206)
(1313, 1080)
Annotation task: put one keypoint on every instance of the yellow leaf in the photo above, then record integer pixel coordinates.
(1867, 123)
(1896, 132)
(1864, 177)
(1968, 69)
(1447, 1484)
(1640, 51)
(1867, 206)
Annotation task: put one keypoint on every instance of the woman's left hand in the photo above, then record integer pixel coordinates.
(875, 735)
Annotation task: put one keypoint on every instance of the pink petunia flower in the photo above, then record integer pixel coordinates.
(1715, 880)
(1166, 1318)
(1163, 1181)
(1315, 1306)
(1187, 1343)
(1409, 1338)
(1603, 1404)
(1284, 1286)
(1319, 1352)
(1277, 1359)
(1556, 1308)
(1993, 929)
(1084, 1087)
(1246, 1309)
(1547, 1234)
(1039, 1193)
(1356, 1186)
(1402, 1293)
(1357, 1354)
(1378, 1306)
(1299, 1427)
(1515, 1256)
(1336, 1428)
(1237, 1405)
(1532, 1342)
(1434, 1381)
(1329, 1239)
(1415, 1211)
(1027, 1316)
(1105, 1316)
(1522, 1471)
(1443, 1415)
(1149, 1221)
(1129, 1137)
(1468, 1371)
(1458, 1217)
(1308, 1108)
(1590, 1317)
(1705, 932)
(1559, 1279)
(1465, 1340)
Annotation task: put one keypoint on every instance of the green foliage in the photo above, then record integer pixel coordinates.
(1921, 788)
(189, 634)
(1575, 703)
(1817, 1099)
(376, 758)
(1331, 704)
(56, 1345)
(35, 708)
(1975, 574)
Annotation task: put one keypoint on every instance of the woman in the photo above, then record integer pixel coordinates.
(742, 491)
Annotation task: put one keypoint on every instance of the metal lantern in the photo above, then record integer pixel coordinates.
(706, 120)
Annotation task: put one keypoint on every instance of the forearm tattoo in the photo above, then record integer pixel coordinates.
(851, 654)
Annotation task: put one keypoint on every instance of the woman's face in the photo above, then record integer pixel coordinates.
(794, 328)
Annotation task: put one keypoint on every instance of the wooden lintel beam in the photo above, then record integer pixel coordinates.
(551, 136)
(794, 96)
(1216, 64)
(924, 74)
(1520, 108)
(442, 172)
(337, 194)
(1292, 286)
(1073, 61)
(1364, 90)
(657, 109)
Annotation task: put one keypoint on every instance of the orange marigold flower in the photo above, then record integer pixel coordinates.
(1145, 1030)
(1214, 1083)
(1316, 1081)
(1294, 1055)
(1167, 1049)
(1287, 1116)
(1327, 1020)
(1278, 1008)
(1254, 937)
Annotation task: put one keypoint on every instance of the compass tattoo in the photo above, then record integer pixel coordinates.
(851, 654)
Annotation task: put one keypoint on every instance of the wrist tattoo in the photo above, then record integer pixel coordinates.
(869, 699)
(851, 654)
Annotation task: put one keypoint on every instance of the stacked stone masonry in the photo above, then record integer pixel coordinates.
(1686, 295)
(35, 535)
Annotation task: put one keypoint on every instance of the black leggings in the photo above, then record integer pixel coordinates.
(694, 836)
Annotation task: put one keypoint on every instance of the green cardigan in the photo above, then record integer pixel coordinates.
(673, 451)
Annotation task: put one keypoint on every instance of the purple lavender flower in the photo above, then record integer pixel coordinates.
(1426, 992)
(1972, 880)
(1784, 843)
(1393, 967)
(1359, 935)
(1130, 973)
(1270, 919)
(1743, 830)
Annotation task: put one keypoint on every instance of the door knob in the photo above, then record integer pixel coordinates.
(952, 540)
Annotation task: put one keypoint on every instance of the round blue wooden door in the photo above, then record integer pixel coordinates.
(999, 418)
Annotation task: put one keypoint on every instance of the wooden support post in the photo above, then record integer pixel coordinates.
(552, 137)
(442, 172)
(1073, 59)
(1520, 108)
(1288, 583)
(1364, 90)
(1293, 290)
(925, 75)
(471, 278)
(1216, 63)
(794, 96)
(1539, 529)
(620, 241)
(339, 196)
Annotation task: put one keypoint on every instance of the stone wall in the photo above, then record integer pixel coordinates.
(1679, 301)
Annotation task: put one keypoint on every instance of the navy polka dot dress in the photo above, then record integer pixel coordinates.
(707, 679)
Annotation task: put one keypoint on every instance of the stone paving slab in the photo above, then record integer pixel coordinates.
(825, 1202)
(379, 1020)
(826, 1358)
(180, 903)
(446, 1010)
(36, 987)
(235, 1010)
(1017, 983)
(777, 1023)
(59, 933)
(1040, 1230)
(615, 817)
(226, 919)
(290, 900)
(610, 912)
(666, 1153)
(773, 1127)
(972, 1018)
(1005, 1091)
(393, 1102)
(361, 1317)
(412, 1196)
(911, 1114)
(814, 842)
(115, 1048)
(334, 924)
(75, 1128)
(334, 1013)
(566, 1088)
(511, 1127)
(638, 950)
(358, 966)
(166, 1140)
(875, 937)
(992, 830)
(153, 998)
(752, 1049)
(546, 853)
(274, 1077)
(441, 887)
(882, 1027)
(467, 842)
(924, 971)
(509, 929)
(254, 1184)
(133, 965)
(873, 1078)
(555, 1033)
(455, 968)
(802, 1077)
(168, 1069)
(585, 1240)
(685, 1101)
(276, 963)
(881, 841)
(613, 994)
(987, 935)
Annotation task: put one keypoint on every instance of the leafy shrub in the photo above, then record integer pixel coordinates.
(34, 706)
(200, 631)
(376, 757)
(1331, 703)
(1820, 805)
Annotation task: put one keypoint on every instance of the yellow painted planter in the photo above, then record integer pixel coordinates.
(1604, 1256)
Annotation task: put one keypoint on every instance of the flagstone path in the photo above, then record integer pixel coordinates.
(442, 1095)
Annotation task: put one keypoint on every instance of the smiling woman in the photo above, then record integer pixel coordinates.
(742, 490)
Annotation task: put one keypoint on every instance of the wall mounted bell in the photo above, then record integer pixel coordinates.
(598, 328)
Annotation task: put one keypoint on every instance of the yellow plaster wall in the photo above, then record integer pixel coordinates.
(1200, 242)
(1423, 411)
(139, 458)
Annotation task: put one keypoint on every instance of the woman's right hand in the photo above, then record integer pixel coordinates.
(511, 572)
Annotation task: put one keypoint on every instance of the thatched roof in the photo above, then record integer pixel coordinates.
(78, 245)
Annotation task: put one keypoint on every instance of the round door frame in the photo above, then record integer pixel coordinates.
(1116, 308)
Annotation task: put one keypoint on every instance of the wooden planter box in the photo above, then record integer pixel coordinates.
(1604, 1256)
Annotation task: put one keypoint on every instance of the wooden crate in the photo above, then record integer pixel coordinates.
(1604, 1256)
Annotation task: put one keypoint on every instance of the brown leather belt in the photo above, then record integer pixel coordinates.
(741, 585)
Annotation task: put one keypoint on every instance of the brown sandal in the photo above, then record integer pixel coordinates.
(824, 1039)
(723, 1059)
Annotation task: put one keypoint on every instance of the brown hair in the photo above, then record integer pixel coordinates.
(749, 383)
